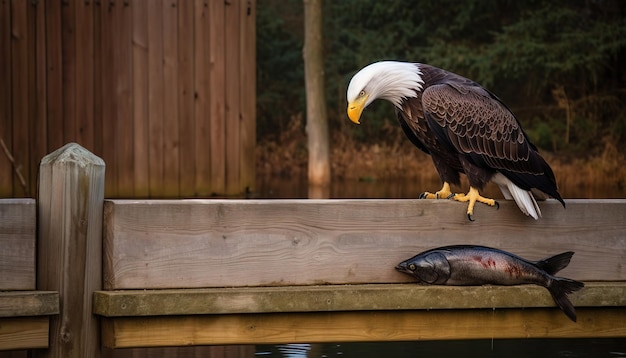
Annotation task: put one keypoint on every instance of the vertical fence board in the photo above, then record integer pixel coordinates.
(84, 74)
(122, 91)
(170, 110)
(19, 64)
(217, 102)
(233, 110)
(247, 77)
(140, 98)
(68, 60)
(97, 77)
(107, 93)
(186, 98)
(6, 125)
(39, 126)
(202, 105)
(156, 97)
(54, 75)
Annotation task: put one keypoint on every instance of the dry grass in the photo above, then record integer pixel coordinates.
(286, 156)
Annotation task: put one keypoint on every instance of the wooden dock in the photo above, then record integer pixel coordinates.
(256, 271)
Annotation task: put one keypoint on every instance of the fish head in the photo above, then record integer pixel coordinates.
(430, 267)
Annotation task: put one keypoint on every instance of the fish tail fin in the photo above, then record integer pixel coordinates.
(555, 263)
(559, 289)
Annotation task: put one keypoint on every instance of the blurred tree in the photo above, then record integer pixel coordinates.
(549, 60)
(316, 117)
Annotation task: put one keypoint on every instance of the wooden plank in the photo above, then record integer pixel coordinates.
(224, 243)
(70, 246)
(18, 230)
(232, 99)
(202, 103)
(360, 327)
(171, 152)
(217, 97)
(343, 298)
(84, 66)
(69, 50)
(54, 75)
(20, 88)
(6, 99)
(24, 332)
(28, 303)
(106, 72)
(122, 93)
(156, 97)
(247, 96)
(140, 99)
(39, 125)
(186, 118)
(98, 63)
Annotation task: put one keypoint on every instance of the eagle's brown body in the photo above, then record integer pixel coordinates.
(465, 128)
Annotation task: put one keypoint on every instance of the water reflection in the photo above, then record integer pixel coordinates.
(297, 188)
(512, 348)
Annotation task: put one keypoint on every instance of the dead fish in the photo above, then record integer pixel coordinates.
(467, 265)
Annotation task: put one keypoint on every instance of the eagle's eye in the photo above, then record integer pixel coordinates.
(362, 93)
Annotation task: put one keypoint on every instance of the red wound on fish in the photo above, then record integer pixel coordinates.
(489, 262)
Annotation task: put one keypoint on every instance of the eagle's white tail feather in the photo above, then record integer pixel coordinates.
(523, 198)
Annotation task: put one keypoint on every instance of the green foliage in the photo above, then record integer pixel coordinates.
(520, 50)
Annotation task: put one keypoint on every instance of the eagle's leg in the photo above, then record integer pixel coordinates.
(472, 197)
(441, 194)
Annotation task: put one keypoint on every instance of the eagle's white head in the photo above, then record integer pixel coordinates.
(390, 80)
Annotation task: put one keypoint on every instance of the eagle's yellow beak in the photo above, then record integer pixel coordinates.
(355, 108)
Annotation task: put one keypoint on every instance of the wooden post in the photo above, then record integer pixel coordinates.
(71, 197)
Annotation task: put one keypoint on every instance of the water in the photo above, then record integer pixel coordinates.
(297, 188)
(511, 348)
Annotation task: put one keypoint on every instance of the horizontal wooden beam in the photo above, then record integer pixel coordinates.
(24, 332)
(125, 332)
(164, 244)
(343, 298)
(28, 303)
(18, 220)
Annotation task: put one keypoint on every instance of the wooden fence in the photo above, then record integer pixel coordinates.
(162, 273)
(162, 90)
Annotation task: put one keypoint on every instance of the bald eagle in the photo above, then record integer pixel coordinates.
(465, 129)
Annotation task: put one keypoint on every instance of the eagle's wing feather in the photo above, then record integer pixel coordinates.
(479, 125)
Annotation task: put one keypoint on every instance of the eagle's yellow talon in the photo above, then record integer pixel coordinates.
(441, 194)
(472, 197)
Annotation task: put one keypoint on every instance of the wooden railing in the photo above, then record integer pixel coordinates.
(24, 312)
(255, 271)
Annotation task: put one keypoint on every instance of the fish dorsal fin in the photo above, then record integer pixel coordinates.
(556, 263)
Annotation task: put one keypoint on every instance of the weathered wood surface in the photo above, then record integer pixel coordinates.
(17, 244)
(122, 78)
(24, 332)
(28, 303)
(360, 326)
(71, 195)
(224, 243)
(343, 298)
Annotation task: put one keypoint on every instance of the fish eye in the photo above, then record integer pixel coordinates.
(412, 267)
(362, 93)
